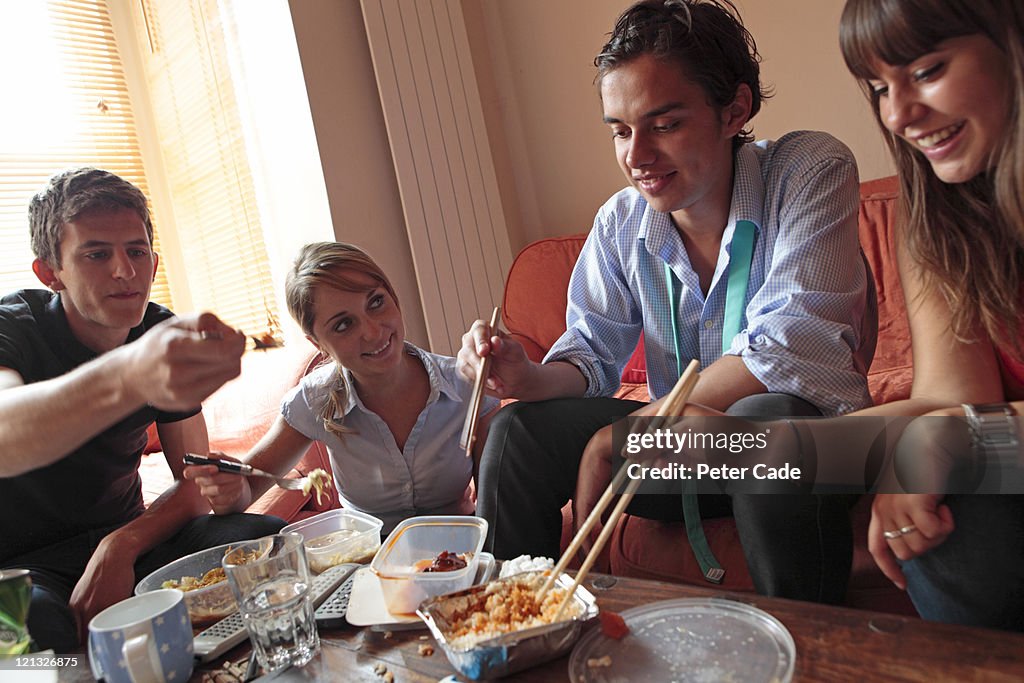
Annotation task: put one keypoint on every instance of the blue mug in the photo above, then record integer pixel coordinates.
(144, 639)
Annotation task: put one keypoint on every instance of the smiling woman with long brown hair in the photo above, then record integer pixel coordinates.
(946, 81)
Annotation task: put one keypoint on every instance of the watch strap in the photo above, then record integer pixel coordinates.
(993, 429)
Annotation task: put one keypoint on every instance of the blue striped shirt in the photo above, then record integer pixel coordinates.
(806, 295)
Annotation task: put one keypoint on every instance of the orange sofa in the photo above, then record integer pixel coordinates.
(534, 313)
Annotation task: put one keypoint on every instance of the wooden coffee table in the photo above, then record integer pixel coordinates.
(832, 644)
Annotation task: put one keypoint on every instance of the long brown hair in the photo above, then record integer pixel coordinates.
(330, 264)
(968, 238)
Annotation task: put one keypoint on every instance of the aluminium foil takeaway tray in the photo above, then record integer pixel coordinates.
(510, 652)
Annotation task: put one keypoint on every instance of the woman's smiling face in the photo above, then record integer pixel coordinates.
(361, 330)
(952, 104)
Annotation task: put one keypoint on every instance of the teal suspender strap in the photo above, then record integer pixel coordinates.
(673, 306)
(735, 300)
(739, 275)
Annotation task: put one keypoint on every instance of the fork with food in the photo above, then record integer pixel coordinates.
(317, 481)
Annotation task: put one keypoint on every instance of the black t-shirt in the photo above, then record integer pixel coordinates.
(97, 485)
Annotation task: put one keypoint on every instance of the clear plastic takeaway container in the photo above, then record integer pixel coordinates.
(424, 538)
(205, 605)
(338, 537)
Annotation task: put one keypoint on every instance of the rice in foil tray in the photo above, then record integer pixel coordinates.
(504, 607)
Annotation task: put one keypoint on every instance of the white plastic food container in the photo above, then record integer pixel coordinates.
(423, 538)
(338, 537)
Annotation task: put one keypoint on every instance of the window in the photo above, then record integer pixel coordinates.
(185, 56)
(72, 108)
(67, 105)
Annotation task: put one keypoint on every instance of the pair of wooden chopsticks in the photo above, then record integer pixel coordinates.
(468, 436)
(673, 405)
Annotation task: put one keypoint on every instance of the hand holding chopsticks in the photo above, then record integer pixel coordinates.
(469, 429)
(673, 405)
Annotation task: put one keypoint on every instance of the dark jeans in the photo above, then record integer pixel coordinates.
(57, 568)
(797, 546)
(976, 576)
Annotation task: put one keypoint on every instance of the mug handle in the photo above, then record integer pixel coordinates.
(137, 657)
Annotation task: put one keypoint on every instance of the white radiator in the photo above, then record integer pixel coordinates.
(442, 159)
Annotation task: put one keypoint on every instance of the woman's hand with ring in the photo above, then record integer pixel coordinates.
(904, 526)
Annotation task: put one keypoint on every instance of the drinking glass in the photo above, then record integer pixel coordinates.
(271, 582)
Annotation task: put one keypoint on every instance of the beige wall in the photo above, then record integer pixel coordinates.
(799, 41)
(555, 163)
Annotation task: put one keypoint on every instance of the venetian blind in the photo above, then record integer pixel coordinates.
(65, 104)
(189, 80)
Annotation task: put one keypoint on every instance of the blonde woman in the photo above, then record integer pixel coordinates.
(389, 413)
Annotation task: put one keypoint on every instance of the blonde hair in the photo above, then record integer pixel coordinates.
(968, 237)
(330, 264)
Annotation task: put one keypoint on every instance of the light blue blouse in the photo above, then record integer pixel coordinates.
(428, 477)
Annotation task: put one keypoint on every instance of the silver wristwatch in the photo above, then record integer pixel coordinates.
(993, 431)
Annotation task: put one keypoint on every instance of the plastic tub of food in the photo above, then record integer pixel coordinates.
(428, 556)
(498, 628)
(200, 576)
(338, 537)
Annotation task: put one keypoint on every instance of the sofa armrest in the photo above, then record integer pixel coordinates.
(536, 296)
(534, 351)
(289, 504)
(280, 503)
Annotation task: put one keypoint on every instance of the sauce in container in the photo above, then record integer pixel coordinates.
(445, 562)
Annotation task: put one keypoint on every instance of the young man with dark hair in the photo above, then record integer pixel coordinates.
(86, 366)
(741, 255)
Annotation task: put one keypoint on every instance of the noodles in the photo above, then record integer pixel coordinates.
(191, 583)
(317, 481)
(214, 576)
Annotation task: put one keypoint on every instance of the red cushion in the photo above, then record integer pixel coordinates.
(892, 369)
(533, 307)
(536, 295)
(152, 440)
(650, 549)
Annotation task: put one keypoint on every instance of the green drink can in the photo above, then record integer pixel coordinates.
(15, 596)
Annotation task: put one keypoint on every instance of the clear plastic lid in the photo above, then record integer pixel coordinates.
(690, 639)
